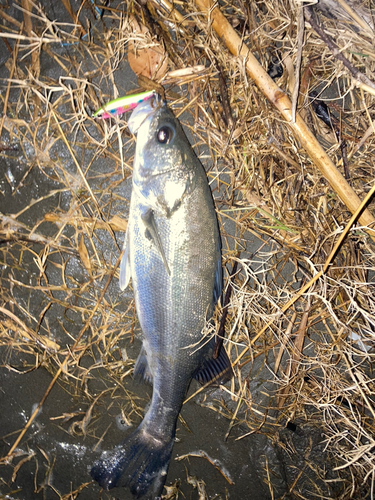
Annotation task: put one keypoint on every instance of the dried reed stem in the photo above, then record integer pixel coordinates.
(281, 101)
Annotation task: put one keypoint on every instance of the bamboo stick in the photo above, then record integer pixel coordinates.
(281, 101)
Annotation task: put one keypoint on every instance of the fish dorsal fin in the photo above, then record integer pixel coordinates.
(125, 273)
(217, 371)
(148, 219)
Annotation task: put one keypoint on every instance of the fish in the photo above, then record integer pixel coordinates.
(172, 253)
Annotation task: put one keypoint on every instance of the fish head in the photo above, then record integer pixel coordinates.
(164, 165)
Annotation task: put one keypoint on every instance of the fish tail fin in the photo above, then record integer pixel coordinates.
(140, 462)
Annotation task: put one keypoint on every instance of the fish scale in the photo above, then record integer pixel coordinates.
(172, 254)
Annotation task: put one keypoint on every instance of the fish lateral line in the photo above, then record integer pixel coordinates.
(148, 219)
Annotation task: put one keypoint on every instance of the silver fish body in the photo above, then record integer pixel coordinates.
(172, 253)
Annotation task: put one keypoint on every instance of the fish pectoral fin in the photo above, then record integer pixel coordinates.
(148, 219)
(125, 273)
(217, 371)
(141, 368)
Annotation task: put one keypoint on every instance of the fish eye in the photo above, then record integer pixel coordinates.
(165, 135)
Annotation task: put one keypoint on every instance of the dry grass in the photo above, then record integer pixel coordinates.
(57, 264)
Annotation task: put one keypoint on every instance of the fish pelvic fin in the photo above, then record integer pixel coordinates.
(140, 462)
(215, 371)
(125, 273)
(148, 219)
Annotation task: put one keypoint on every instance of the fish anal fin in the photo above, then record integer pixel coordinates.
(148, 219)
(215, 371)
(141, 369)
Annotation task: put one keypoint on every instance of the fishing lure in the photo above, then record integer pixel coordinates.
(122, 104)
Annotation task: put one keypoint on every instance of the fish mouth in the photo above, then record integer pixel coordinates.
(143, 111)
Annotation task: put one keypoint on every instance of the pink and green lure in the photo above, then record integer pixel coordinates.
(122, 104)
